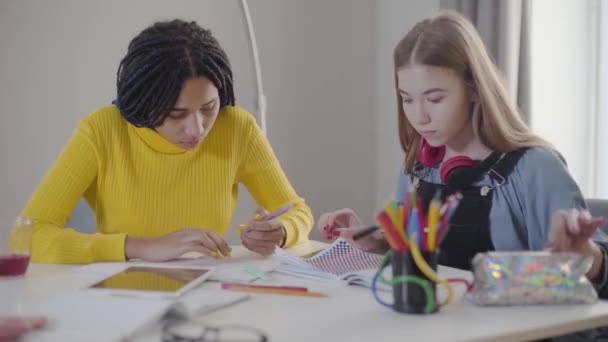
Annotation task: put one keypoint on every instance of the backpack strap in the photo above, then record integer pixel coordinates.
(505, 165)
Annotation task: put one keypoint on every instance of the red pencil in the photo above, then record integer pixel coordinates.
(391, 234)
(227, 286)
(407, 210)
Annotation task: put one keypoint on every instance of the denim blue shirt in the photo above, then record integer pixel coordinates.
(522, 206)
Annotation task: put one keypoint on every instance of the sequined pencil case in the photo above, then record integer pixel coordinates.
(531, 278)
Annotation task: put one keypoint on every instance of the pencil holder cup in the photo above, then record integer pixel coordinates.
(413, 296)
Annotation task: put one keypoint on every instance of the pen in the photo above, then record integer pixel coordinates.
(275, 214)
(365, 232)
(266, 217)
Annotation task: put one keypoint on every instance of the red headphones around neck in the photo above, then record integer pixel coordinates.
(430, 156)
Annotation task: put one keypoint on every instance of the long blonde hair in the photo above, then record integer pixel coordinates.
(449, 40)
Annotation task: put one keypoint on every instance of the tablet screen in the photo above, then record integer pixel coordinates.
(144, 278)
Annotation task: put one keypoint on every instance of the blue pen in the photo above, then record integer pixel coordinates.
(412, 226)
(419, 229)
(453, 204)
(413, 223)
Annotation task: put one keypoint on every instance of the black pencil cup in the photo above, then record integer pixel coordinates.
(410, 297)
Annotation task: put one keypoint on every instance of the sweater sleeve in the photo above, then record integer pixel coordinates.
(53, 201)
(261, 173)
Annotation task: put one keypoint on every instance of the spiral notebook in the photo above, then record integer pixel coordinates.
(338, 262)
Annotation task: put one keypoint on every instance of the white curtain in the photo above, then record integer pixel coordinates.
(504, 28)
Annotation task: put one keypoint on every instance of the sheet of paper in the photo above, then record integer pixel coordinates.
(83, 315)
(232, 269)
(203, 301)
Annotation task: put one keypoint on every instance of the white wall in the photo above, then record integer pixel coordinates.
(317, 60)
(393, 19)
(562, 81)
(602, 143)
(58, 64)
(326, 66)
(59, 59)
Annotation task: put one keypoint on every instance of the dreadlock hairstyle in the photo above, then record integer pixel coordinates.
(158, 62)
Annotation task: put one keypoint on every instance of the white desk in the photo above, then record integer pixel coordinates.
(347, 313)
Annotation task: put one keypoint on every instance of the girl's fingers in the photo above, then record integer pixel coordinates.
(559, 230)
(585, 216)
(572, 222)
(223, 246)
(208, 243)
(346, 233)
(323, 223)
(200, 248)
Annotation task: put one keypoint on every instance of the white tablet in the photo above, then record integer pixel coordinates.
(153, 281)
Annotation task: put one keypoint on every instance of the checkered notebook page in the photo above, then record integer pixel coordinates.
(340, 258)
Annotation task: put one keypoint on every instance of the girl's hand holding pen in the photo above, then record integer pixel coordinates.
(346, 224)
(263, 233)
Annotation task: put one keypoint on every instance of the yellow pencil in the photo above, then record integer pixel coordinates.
(217, 255)
(395, 220)
(433, 221)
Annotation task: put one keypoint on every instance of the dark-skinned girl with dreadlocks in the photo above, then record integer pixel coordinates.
(160, 167)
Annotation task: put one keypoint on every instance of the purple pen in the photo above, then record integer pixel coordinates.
(266, 217)
(277, 213)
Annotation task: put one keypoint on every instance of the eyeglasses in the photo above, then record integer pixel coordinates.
(188, 330)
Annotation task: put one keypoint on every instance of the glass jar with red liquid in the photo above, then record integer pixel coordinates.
(16, 261)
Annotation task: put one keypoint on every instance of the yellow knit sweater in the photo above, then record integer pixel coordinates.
(140, 184)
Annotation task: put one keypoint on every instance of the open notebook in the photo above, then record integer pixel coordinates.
(338, 262)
